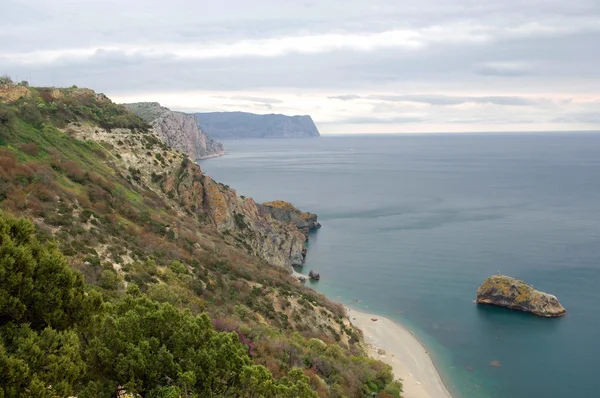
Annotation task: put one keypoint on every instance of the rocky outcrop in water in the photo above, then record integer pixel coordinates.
(315, 276)
(512, 293)
(178, 130)
(286, 213)
(250, 125)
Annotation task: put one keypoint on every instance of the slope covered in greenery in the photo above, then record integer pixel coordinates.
(171, 285)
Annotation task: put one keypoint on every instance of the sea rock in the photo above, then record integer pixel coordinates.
(179, 130)
(315, 276)
(512, 293)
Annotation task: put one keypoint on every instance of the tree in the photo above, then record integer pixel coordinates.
(36, 284)
(155, 350)
(5, 79)
(40, 297)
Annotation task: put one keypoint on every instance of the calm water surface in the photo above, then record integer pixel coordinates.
(413, 224)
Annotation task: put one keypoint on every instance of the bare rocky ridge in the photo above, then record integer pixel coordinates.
(178, 130)
(512, 293)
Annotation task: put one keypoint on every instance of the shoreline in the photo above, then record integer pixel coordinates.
(211, 156)
(408, 357)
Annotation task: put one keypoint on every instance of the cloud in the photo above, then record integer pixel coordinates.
(261, 100)
(346, 97)
(430, 63)
(578, 117)
(407, 39)
(508, 69)
(378, 120)
(455, 100)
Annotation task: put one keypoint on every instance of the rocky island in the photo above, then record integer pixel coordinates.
(512, 293)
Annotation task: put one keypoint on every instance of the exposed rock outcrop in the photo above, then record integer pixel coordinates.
(178, 130)
(512, 293)
(286, 213)
(250, 125)
(12, 92)
(181, 184)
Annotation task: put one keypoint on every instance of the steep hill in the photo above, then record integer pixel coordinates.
(153, 242)
(249, 125)
(178, 130)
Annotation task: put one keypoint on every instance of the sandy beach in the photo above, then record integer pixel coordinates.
(409, 359)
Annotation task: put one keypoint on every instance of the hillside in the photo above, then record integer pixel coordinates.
(130, 232)
(222, 125)
(178, 130)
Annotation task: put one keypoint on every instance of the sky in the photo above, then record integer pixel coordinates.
(355, 66)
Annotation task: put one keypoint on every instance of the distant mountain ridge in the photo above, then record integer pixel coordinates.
(179, 130)
(249, 125)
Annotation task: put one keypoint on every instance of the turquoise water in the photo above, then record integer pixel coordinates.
(413, 224)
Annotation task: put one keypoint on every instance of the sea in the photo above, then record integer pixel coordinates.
(413, 224)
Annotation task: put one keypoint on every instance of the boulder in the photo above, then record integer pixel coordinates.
(512, 293)
(314, 275)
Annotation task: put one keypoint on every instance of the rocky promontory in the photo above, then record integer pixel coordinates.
(286, 213)
(512, 293)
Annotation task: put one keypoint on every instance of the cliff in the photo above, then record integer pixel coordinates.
(181, 183)
(178, 130)
(508, 292)
(286, 213)
(250, 125)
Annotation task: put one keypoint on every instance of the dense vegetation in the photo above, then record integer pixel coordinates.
(55, 339)
(128, 301)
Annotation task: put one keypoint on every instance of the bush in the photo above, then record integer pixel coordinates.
(6, 80)
(29, 112)
(109, 280)
(178, 267)
(30, 148)
(7, 116)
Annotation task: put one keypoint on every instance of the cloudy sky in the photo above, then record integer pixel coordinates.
(356, 66)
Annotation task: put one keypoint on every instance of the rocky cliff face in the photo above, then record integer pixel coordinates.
(505, 291)
(286, 213)
(178, 130)
(181, 183)
(250, 125)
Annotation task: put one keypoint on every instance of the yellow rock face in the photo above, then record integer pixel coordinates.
(11, 92)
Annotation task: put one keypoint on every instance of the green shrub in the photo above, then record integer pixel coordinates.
(178, 267)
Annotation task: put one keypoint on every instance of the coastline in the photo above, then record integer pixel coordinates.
(408, 357)
(214, 155)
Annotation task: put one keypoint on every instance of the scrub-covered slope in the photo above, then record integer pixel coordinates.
(149, 233)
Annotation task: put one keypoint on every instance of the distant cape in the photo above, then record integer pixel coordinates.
(249, 125)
